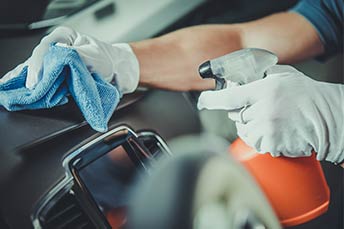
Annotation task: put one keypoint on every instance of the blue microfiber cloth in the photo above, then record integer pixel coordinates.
(63, 73)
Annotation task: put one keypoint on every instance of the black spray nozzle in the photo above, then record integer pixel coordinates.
(205, 70)
(207, 73)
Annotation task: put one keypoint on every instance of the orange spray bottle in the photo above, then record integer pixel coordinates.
(295, 187)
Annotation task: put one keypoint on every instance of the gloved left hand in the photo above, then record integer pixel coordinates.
(111, 61)
(286, 113)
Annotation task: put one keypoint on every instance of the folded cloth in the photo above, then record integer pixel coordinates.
(63, 73)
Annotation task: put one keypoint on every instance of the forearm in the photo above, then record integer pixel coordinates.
(171, 61)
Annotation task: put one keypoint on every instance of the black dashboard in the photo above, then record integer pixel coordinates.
(28, 171)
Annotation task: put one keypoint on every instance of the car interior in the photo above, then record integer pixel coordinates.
(51, 159)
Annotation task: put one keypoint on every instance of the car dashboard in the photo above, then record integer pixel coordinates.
(30, 170)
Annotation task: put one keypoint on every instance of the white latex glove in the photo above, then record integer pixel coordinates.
(112, 62)
(287, 114)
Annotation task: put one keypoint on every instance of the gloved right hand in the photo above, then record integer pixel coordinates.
(286, 113)
(112, 62)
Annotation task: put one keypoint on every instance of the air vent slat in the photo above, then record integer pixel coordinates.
(66, 213)
(84, 225)
(63, 211)
(69, 221)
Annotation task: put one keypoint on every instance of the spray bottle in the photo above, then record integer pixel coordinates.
(242, 67)
(295, 187)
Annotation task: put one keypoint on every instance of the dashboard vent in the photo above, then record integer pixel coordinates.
(151, 144)
(66, 213)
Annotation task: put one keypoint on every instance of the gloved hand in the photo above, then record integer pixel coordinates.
(286, 113)
(113, 62)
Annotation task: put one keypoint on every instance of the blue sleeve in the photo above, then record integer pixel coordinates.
(327, 18)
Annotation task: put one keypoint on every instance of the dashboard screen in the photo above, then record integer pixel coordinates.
(108, 180)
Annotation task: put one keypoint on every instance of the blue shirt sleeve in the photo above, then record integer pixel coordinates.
(327, 18)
